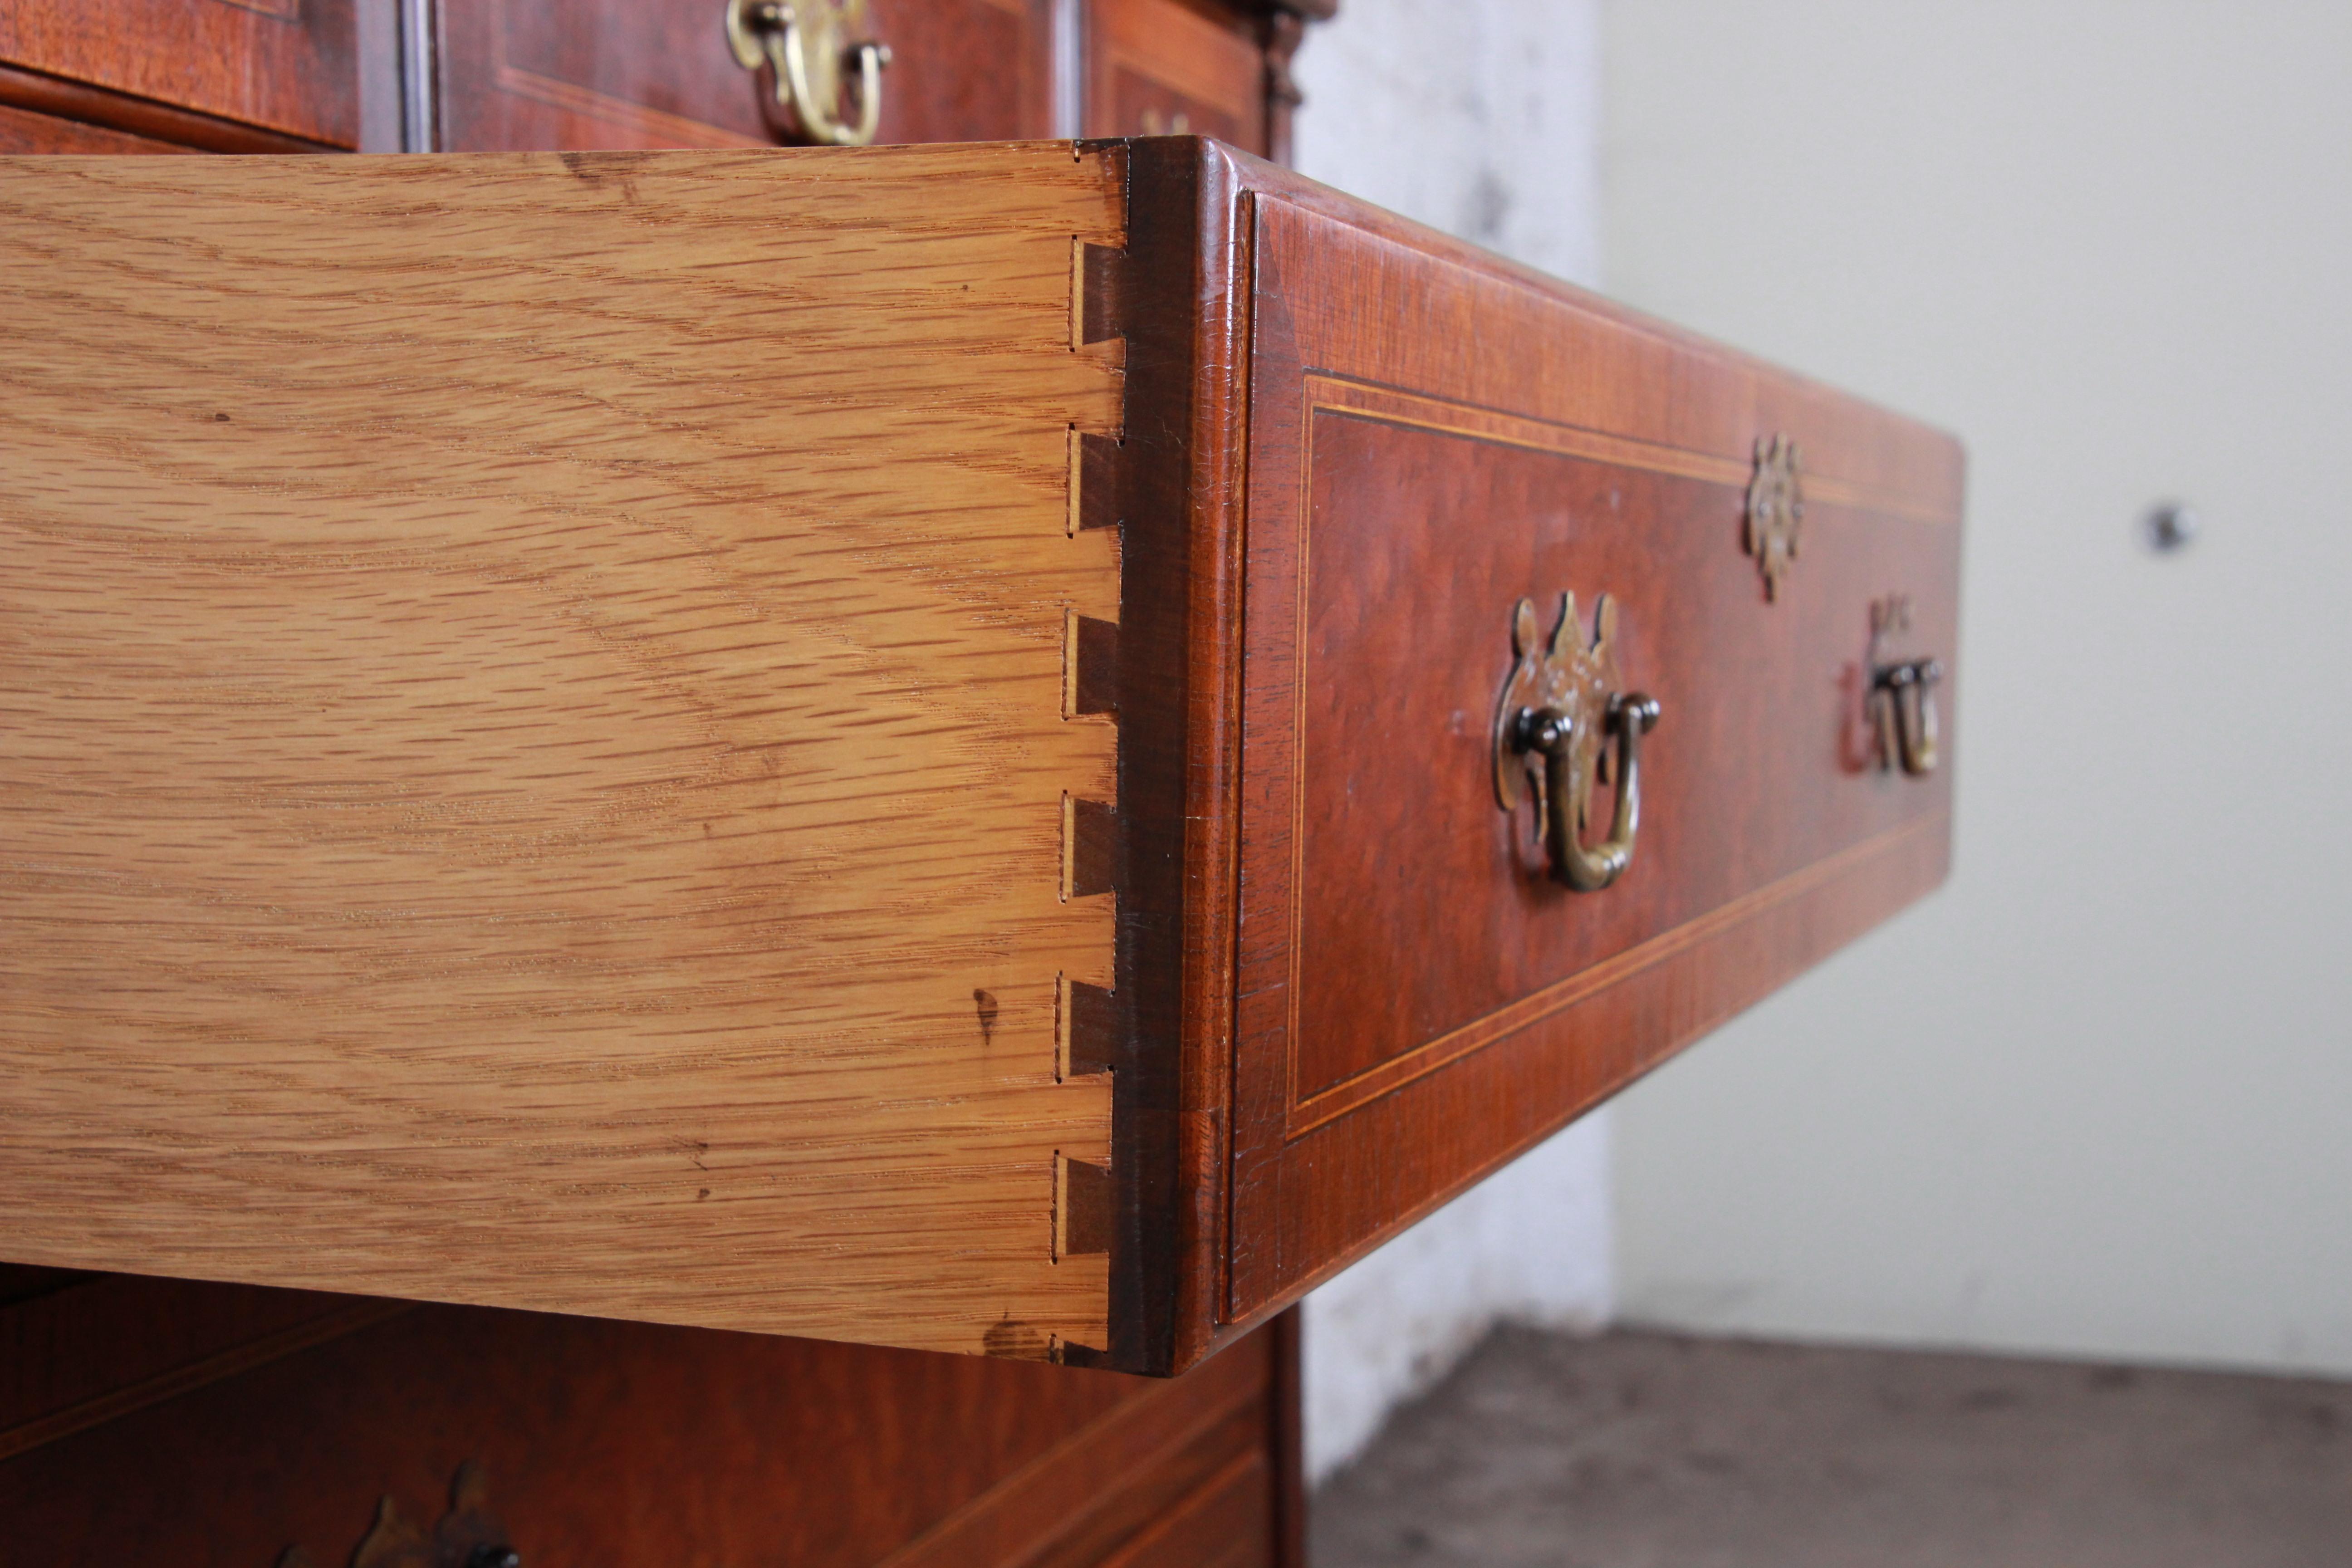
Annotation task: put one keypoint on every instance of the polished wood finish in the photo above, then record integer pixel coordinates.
(147, 1420)
(555, 794)
(287, 66)
(22, 131)
(1179, 762)
(152, 1421)
(52, 115)
(617, 74)
(1122, 941)
(657, 73)
(244, 76)
(1455, 430)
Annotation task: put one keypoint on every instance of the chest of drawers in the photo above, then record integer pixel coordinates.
(995, 749)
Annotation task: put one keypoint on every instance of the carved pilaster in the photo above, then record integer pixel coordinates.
(1285, 29)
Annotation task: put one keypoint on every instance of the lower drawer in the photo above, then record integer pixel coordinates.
(222, 1426)
(947, 747)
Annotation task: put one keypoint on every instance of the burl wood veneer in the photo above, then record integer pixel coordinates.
(891, 745)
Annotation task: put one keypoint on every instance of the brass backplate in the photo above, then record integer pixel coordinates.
(1569, 675)
(1776, 508)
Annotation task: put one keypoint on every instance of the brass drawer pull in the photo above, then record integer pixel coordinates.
(803, 44)
(1554, 734)
(1905, 697)
(1563, 704)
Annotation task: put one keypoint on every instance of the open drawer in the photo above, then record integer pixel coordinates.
(935, 746)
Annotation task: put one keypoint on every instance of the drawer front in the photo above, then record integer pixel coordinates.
(146, 1421)
(894, 744)
(290, 65)
(660, 73)
(1430, 445)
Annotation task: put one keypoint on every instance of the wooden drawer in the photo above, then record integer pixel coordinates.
(287, 66)
(891, 745)
(150, 1420)
(660, 73)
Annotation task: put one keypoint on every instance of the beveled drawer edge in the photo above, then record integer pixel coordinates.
(1181, 467)
(23, 88)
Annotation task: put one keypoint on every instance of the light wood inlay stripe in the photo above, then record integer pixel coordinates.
(1421, 1061)
(80, 1417)
(1340, 395)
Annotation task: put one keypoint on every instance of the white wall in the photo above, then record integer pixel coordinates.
(2096, 1097)
(1480, 118)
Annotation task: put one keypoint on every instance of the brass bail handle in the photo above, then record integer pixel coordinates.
(802, 42)
(1552, 733)
(1564, 705)
(1907, 713)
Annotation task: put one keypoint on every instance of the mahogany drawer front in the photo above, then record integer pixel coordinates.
(1432, 443)
(505, 76)
(1343, 470)
(287, 66)
(660, 73)
(160, 1421)
(887, 745)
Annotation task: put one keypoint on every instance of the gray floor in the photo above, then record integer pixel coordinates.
(1648, 1451)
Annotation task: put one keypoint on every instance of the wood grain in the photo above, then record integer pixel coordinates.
(1122, 1482)
(566, 723)
(535, 750)
(290, 1415)
(1180, 690)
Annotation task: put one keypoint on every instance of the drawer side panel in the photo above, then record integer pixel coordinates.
(535, 752)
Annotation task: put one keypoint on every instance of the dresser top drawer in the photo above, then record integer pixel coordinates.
(896, 744)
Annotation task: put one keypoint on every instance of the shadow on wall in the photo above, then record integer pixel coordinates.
(1530, 1246)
